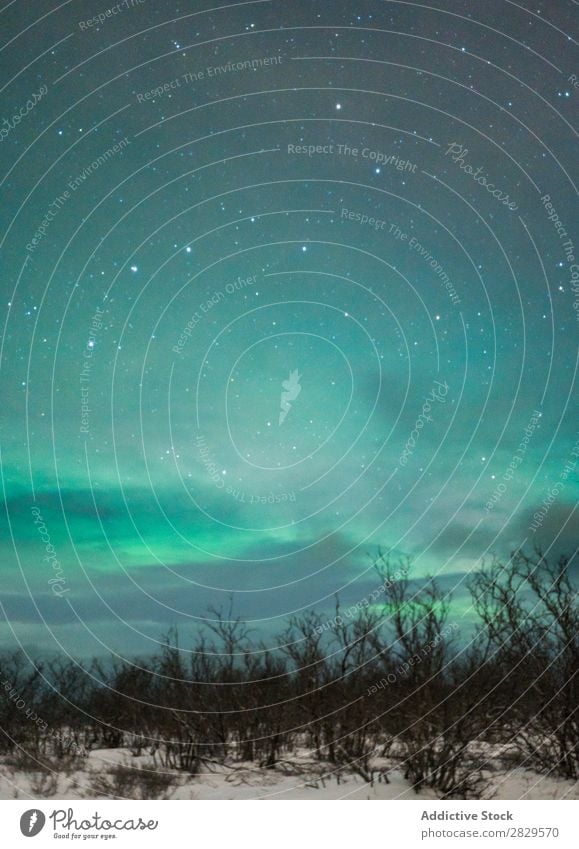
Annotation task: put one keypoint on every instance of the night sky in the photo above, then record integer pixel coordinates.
(282, 282)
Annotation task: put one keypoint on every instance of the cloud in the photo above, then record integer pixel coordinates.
(559, 530)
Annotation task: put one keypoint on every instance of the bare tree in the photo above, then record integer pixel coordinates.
(530, 628)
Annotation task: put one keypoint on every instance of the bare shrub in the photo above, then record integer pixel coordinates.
(44, 784)
(530, 618)
(132, 782)
(433, 714)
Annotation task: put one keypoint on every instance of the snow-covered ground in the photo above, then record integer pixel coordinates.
(298, 778)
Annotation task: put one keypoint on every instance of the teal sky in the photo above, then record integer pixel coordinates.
(217, 262)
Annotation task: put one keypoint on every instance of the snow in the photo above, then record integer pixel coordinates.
(299, 777)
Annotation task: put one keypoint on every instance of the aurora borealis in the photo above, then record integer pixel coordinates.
(283, 283)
